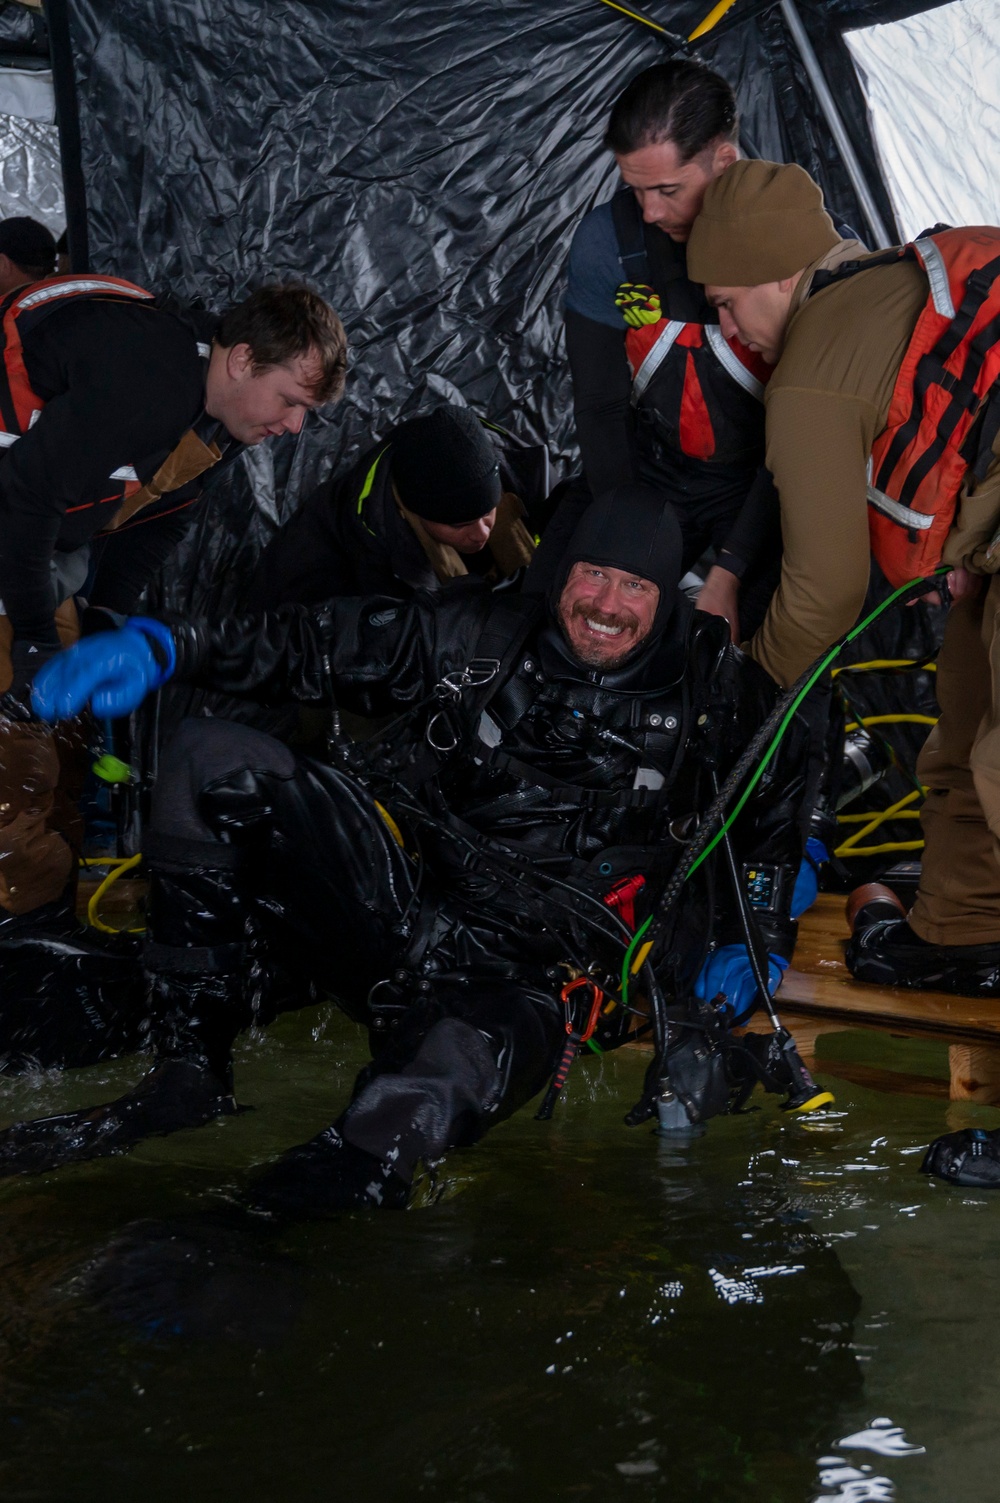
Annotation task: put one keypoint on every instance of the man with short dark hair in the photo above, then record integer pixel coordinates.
(111, 410)
(27, 252)
(442, 496)
(448, 882)
(659, 394)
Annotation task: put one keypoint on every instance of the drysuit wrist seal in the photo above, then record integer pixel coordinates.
(161, 644)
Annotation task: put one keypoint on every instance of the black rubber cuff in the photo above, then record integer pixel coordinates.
(731, 562)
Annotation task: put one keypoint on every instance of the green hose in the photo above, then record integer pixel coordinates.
(783, 713)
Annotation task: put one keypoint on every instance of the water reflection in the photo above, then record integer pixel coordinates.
(582, 1312)
(860, 1484)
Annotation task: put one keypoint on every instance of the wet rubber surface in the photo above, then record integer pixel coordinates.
(782, 1310)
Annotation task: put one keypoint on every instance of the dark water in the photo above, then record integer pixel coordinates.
(576, 1312)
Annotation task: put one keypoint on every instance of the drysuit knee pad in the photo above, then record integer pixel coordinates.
(209, 767)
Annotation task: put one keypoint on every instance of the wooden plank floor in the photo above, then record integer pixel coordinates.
(819, 986)
(818, 997)
(122, 899)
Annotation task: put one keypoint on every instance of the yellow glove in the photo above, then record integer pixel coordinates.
(639, 304)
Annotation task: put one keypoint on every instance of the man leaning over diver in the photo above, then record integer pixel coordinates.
(883, 414)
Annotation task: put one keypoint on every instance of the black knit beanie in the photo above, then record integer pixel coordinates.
(444, 466)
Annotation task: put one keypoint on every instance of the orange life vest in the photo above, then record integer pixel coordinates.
(702, 382)
(938, 427)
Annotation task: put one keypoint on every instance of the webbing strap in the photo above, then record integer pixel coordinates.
(631, 236)
(570, 793)
(961, 387)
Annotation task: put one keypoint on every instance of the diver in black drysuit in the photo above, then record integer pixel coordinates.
(527, 815)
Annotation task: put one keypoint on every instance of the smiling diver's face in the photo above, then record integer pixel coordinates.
(606, 613)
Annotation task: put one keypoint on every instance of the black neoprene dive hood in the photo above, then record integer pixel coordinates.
(633, 528)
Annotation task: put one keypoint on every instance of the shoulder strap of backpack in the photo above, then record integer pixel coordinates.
(826, 278)
(631, 236)
(508, 624)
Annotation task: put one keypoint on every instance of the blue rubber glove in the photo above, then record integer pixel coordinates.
(728, 970)
(112, 671)
(807, 881)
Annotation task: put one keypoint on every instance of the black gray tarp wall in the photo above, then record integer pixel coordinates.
(423, 165)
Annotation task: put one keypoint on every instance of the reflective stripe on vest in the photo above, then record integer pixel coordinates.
(714, 340)
(655, 356)
(937, 276)
(40, 299)
(73, 288)
(731, 362)
(904, 515)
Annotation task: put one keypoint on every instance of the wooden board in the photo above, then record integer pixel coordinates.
(820, 986)
(818, 996)
(123, 897)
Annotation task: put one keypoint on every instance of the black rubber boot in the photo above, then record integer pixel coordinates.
(889, 953)
(773, 1060)
(69, 995)
(177, 1093)
(970, 1157)
(197, 1005)
(325, 1175)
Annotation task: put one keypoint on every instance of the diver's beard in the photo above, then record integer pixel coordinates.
(595, 657)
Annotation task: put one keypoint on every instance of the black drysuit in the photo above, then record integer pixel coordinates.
(521, 793)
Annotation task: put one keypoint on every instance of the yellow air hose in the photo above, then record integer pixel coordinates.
(119, 865)
(872, 819)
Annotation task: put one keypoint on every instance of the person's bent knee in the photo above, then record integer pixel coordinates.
(206, 752)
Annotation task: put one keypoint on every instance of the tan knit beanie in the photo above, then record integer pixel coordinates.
(760, 222)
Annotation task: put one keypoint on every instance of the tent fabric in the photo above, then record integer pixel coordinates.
(27, 93)
(423, 166)
(23, 33)
(30, 171)
(933, 175)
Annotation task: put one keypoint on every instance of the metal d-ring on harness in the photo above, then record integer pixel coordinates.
(476, 674)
